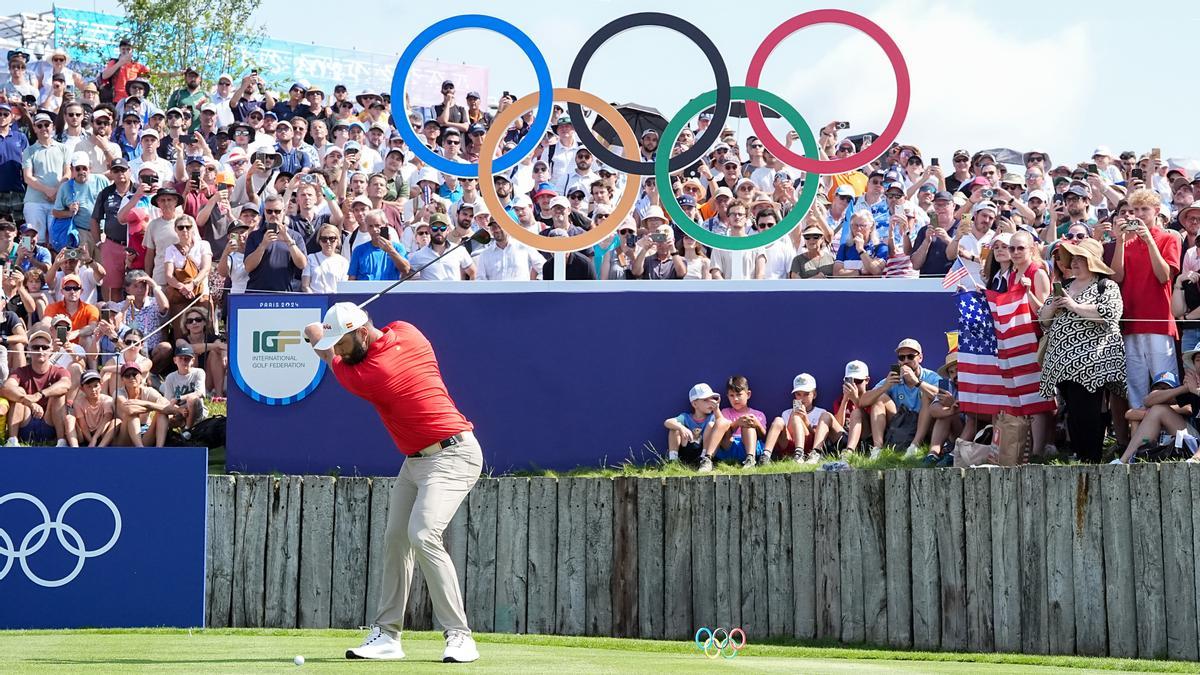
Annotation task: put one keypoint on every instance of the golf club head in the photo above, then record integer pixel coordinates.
(482, 237)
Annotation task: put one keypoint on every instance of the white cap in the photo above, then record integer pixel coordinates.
(1040, 194)
(522, 201)
(560, 200)
(1102, 151)
(804, 382)
(150, 131)
(80, 159)
(857, 370)
(702, 391)
(984, 206)
(845, 191)
(1004, 238)
(909, 343)
(342, 318)
(654, 212)
(430, 174)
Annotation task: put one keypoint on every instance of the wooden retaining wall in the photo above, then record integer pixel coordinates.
(1062, 560)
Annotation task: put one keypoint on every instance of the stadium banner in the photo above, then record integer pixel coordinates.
(555, 379)
(102, 537)
(269, 359)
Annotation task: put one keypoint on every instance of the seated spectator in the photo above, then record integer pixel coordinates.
(689, 433)
(83, 316)
(185, 388)
(66, 354)
(454, 267)
(145, 414)
(864, 255)
(804, 428)
(1171, 407)
(380, 259)
(508, 260)
(814, 261)
(26, 295)
(210, 349)
(130, 348)
(741, 435)
(899, 404)
(947, 420)
(91, 417)
(37, 394)
(30, 254)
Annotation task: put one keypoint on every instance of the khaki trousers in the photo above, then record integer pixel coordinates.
(426, 496)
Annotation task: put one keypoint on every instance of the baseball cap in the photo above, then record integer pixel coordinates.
(702, 391)
(522, 201)
(943, 195)
(893, 185)
(1038, 194)
(61, 318)
(40, 333)
(845, 191)
(351, 145)
(927, 187)
(80, 159)
(686, 200)
(42, 117)
(654, 212)
(544, 189)
(956, 155)
(1166, 377)
(473, 94)
(1102, 151)
(439, 218)
(857, 370)
(342, 318)
(69, 278)
(909, 343)
(185, 349)
(560, 200)
(984, 206)
(804, 382)
(89, 376)
(150, 131)
(130, 367)
(1078, 190)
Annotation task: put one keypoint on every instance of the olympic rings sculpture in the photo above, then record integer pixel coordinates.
(63, 531)
(664, 164)
(725, 646)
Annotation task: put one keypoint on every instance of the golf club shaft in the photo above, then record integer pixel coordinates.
(413, 273)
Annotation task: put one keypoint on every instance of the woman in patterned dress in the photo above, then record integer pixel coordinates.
(1084, 351)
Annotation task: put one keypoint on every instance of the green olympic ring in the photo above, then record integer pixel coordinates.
(804, 200)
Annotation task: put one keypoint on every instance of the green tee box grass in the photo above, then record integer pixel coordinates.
(254, 650)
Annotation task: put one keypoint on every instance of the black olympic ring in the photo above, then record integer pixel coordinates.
(688, 30)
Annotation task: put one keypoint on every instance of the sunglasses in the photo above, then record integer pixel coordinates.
(1017, 248)
(129, 343)
(181, 228)
(745, 188)
(1079, 236)
(74, 114)
(42, 125)
(327, 240)
(907, 357)
(195, 319)
(424, 233)
(452, 143)
(813, 237)
(439, 228)
(274, 212)
(40, 348)
(72, 289)
(961, 160)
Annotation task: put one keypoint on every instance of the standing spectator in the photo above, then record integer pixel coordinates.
(969, 242)
(656, 257)
(190, 95)
(160, 233)
(929, 254)
(116, 232)
(12, 149)
(117, 72)
(507, 260)
(274, 256)
(1084, 350)
(326, 268)
(1145, 261)
(37, 394)
(814, 261)
(733, 264)
(455, 266)
(186, 267)
(379, 259)
(44, 165)
(232, 265)
(76, 199)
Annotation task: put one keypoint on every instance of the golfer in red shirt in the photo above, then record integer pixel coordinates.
(396, 371)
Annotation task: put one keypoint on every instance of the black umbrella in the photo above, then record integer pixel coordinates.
(639, 117)
(738, 109)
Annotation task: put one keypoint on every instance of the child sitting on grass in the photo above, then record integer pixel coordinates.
(688, 433)
(743, 429)
(803, 428)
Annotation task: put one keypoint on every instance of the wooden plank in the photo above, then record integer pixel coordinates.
(381, 497)
(1060, 568)
(897, 539)
(570, 598)
(728, 520)
(481, 554)
(677, 559)
(826, 557)
(804, 589)
(512, 554)
(755, 611)
(1148, 584)
(542, 576)
(1091, 630)
(926, 510)
(1194, 484)
(650, 558)
(977, 526)
(625, 557)
(951, 542)
(351, 528)
(1006, 559)
(221, 526)
(1179, 562)
(705, 565)
(250, 551)
(1034, 610)
(872, 535)
(316, 551)
(779, 576)
(283, 552)
(598, 618)
(850, 558)
(1119, 601)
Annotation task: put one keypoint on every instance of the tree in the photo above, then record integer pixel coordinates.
(214, 36)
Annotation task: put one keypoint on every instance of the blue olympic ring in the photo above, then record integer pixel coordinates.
(545, 89)
(714, 647)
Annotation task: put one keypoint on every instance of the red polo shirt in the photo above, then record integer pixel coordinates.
(1144, 296)
(401, 378)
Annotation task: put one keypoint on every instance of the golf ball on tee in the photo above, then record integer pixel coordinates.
(299, 660)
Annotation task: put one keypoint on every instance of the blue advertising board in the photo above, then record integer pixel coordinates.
(555, 379)
(102, 537)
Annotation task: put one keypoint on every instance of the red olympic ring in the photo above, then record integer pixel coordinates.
(899, 67)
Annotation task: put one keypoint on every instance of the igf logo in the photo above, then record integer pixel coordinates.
(271, 341)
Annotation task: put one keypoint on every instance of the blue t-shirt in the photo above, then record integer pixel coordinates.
(848, 252)
(697, 428)
(85, 194)
(905, 396)
(371, 263)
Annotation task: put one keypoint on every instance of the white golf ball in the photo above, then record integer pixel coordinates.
(299, 660)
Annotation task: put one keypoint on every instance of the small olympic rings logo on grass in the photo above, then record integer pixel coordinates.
(720, 642)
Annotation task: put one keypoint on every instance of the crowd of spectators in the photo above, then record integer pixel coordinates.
(122, 206)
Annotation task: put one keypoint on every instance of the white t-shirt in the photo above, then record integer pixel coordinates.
(511, 263)
(324, 272)
(160, 236)
(779, 256)
(974, 245)
(164, 169)
(196, 255)
(447, 269)
(726, 261)
(238, 276)
(814, 415)
(176, 385)
(87, 280)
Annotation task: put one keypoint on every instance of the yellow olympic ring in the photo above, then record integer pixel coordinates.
(487, 189)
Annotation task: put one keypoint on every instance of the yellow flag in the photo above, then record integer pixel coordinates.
(952, 340)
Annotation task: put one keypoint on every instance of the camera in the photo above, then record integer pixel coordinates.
(933, 162)
(988, 193)
(658, 238)
(842, 125)
(71, 254)
(308, 178)
(1131, 225)
(188, 138)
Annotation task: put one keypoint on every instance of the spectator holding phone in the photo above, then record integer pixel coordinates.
(77, 198)
(655, 256)
(380, 259)
(76, 261)
(274, 255)
(804, 428)
(741, 438)
(899, 404)
(83, 316)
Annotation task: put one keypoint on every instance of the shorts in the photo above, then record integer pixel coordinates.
(38, 430)
(12, 204)
(112, 256)
(37, 216)
(736, 451)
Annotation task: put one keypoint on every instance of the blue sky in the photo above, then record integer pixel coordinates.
(1062, 76)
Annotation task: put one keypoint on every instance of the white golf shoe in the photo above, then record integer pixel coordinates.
(378, 645)
(460, 648)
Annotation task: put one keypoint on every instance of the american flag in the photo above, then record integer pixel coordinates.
(961, 269)
(997, 354)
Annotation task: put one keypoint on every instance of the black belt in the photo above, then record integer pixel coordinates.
(454, 440)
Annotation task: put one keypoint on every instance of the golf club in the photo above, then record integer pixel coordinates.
(482, 237)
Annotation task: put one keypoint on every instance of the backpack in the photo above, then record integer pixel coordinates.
(207, 433)
(902, 428)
